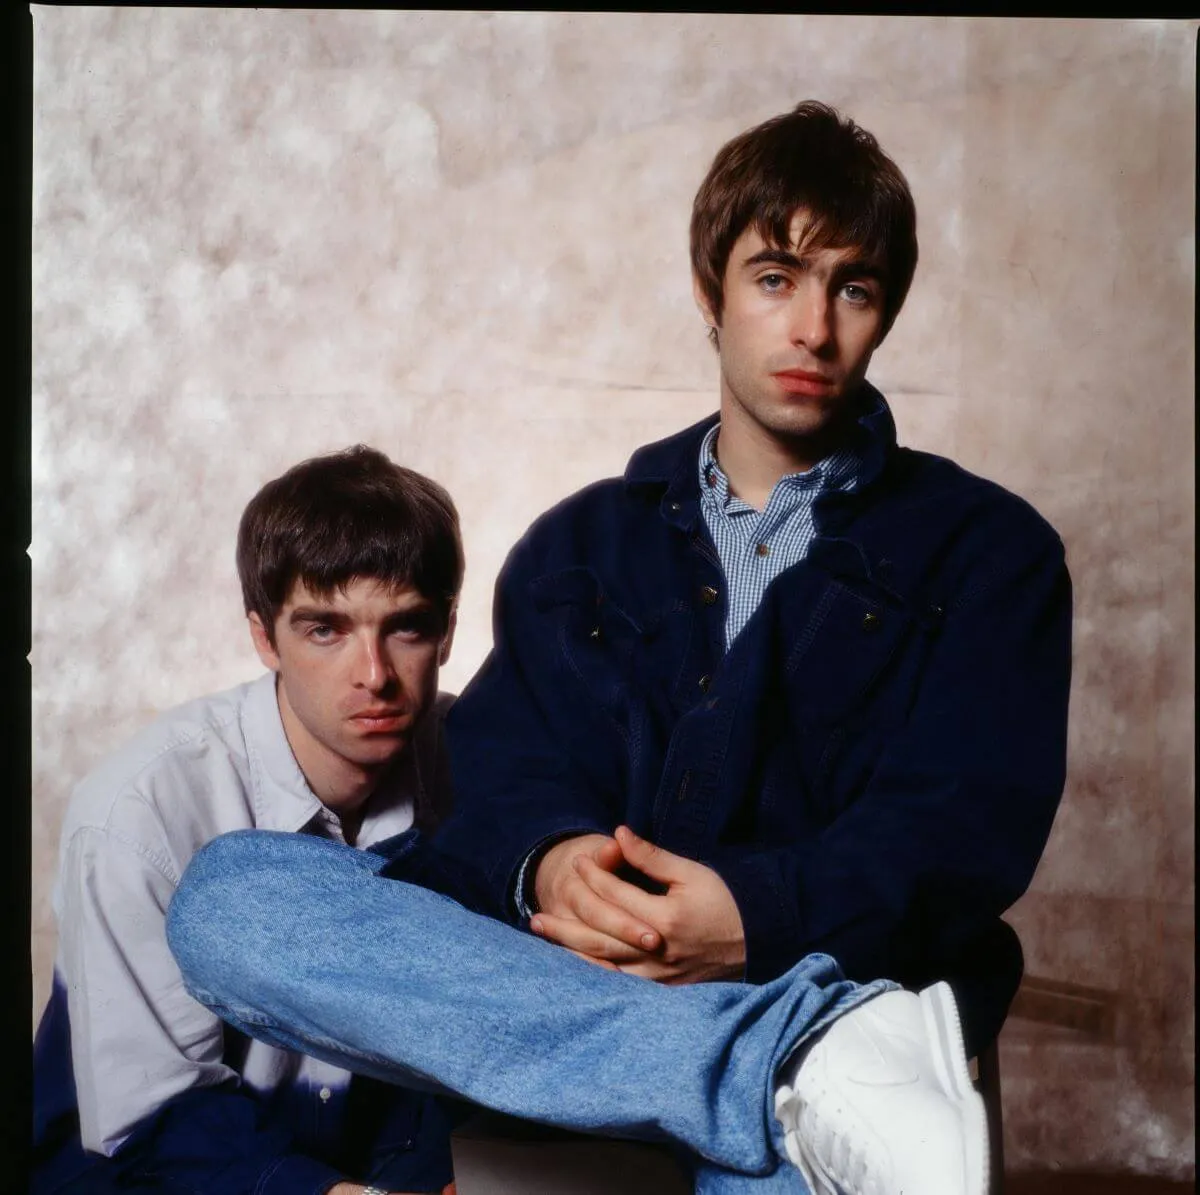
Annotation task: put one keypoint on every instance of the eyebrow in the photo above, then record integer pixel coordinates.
(316, 614)
(336, 618)
(860, 267)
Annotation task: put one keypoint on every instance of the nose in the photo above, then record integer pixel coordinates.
(373, 668)
(812, 318)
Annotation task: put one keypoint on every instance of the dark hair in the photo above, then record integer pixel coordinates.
(810, 158)
(331, 519)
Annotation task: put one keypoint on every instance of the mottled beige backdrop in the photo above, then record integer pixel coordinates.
(260, 235)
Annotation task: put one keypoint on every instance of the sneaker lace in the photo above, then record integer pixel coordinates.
(846, 1162)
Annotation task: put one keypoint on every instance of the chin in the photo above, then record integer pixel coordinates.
(373, 755)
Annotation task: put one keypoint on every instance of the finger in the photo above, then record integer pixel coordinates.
(608, 855)
(611, 918)
(589, 958)
(624, 895)
(578, 936)
(652, 968)
(655, 861)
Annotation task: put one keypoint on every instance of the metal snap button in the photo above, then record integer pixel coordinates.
(871, 621)
(708, 595)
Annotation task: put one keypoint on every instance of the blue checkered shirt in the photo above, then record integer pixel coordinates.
(756, 546)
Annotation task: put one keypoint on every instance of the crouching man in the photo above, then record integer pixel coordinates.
(350, 568)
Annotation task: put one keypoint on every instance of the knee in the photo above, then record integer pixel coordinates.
(211, 921)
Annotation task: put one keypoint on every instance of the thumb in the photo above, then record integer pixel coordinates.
(654, 861)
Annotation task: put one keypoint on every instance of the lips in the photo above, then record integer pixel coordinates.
(802, 381)
(381, 720)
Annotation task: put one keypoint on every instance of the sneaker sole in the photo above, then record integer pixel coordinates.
(944, 1027)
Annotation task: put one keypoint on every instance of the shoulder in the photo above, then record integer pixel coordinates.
(161, 774)
(936, 491)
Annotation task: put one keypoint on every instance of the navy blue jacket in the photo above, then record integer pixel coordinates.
(872, 767)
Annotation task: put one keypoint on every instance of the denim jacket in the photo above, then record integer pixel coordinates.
(872, 767)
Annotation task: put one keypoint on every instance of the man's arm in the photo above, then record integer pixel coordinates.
(957, 810)
(534, 768)
(152, 1088)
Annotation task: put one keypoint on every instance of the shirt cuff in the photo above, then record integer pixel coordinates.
(523, 897)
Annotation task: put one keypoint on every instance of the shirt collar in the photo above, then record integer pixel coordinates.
(838, 471)
(282, 797)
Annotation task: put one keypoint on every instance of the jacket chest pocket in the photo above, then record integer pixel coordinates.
(850, 649)
(618, 657)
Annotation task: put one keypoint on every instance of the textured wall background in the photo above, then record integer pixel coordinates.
(260, 235)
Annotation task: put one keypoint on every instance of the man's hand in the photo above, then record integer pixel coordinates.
(699, 927)
(574, 914)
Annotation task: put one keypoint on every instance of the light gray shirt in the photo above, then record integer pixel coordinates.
(216, 764)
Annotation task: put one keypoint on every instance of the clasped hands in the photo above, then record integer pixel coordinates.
(690, 933)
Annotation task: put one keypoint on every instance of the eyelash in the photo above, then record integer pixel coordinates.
(862, 301)
(323, 633)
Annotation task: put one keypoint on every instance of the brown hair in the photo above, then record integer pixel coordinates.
(331, 519)
(810, 158)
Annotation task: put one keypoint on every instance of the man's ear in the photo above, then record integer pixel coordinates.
(448, 638)
(262, 642)
(702, 303)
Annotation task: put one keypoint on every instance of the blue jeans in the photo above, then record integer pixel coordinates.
(298, 942)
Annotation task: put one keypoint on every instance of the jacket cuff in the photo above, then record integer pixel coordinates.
(295, 1174)
(774, 941)
(522, 898)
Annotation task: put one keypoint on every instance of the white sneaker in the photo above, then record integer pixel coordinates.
(882, 1102)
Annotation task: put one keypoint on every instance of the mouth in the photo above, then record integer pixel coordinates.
(802, 381)
(381, 721)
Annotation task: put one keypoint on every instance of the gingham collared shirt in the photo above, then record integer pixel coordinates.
(755, 546)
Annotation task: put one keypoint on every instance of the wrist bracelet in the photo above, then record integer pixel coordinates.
(373, 1191)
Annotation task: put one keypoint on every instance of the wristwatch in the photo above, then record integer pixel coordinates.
(373, 1191)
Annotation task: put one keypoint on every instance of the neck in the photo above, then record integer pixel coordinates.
(754, 459)
(341, 786)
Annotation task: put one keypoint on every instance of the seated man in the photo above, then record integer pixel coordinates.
(350, 568)
(783, 693)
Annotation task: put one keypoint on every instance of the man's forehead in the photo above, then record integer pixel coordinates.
(807, 235)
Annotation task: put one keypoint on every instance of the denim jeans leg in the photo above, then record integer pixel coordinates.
(296, 940)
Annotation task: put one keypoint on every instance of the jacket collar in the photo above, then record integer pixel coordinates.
(672, 462)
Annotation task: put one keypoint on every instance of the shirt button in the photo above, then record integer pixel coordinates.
(325, 1093)
(870, 621)
(762, 549)
(708, 595)
(712, 479)
(704, 682)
